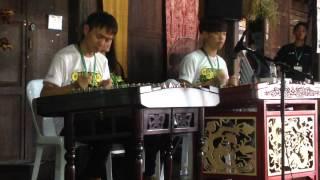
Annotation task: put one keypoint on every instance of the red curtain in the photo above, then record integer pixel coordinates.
(182, 20)
(182, 30)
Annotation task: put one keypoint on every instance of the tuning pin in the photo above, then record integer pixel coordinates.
(163, 85)
(183, 84)
(171, 85)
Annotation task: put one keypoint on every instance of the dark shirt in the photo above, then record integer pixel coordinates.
(296, 56)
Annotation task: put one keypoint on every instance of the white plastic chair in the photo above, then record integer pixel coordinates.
(47, 137)
(186, 155)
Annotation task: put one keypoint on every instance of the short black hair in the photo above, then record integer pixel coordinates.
(212, 25)
(300, 23)
(102, 20)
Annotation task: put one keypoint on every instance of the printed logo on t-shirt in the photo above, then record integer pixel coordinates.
(96, 78)
(207, 74)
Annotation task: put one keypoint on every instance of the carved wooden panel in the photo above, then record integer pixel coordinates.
(157, 120)
(299, 144)
(145, 41)
(230, 146)
(185, 118)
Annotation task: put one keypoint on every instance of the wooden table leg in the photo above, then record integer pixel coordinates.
(139, 160)
(138, 134)
(169, 162)
(69, 145)
(198, 152)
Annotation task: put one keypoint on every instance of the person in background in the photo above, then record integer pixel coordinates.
(204, 67)
(81, 66)
(116, 70)
(297, 55)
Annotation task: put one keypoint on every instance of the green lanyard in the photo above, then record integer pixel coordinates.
(85, 66)
(210, 60)
(298, 56)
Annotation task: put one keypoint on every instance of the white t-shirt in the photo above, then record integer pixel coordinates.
(66, 64)
(196, 68)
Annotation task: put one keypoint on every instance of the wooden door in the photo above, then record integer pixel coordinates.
(33, 46)
(12, 63)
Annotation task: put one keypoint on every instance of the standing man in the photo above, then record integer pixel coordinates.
(204, 66)
(81, 66)
(297, 55)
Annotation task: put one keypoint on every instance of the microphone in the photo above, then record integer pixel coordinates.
(239, 46)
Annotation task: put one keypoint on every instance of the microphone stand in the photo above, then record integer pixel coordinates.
(282, 117)
(283, 68)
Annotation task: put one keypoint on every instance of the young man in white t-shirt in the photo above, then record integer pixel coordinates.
(81, 66)
(204, 66)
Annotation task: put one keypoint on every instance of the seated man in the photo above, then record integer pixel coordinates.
(204, 67)
(82, 66)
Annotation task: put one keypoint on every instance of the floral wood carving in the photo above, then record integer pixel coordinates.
(4, 44)
(299, 144)
(230, 146)
(156, 121)
(183, 120)
(294, 92)
(5, 15)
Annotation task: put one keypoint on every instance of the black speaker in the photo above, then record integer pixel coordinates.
(226, 9)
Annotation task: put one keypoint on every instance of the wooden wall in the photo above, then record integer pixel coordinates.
(28, 59)
(290, 11)
(146, 60)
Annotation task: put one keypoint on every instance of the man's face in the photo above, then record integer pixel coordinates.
(300, 33)
(98, 39)
(215, 40)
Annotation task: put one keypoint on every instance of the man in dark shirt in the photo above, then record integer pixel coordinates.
(297, 55)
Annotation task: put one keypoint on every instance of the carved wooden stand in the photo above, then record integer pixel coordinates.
(243, 133)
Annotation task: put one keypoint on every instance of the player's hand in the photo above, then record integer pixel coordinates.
(84, 81)
(233, 81)
(222, 78)
(106, 83)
